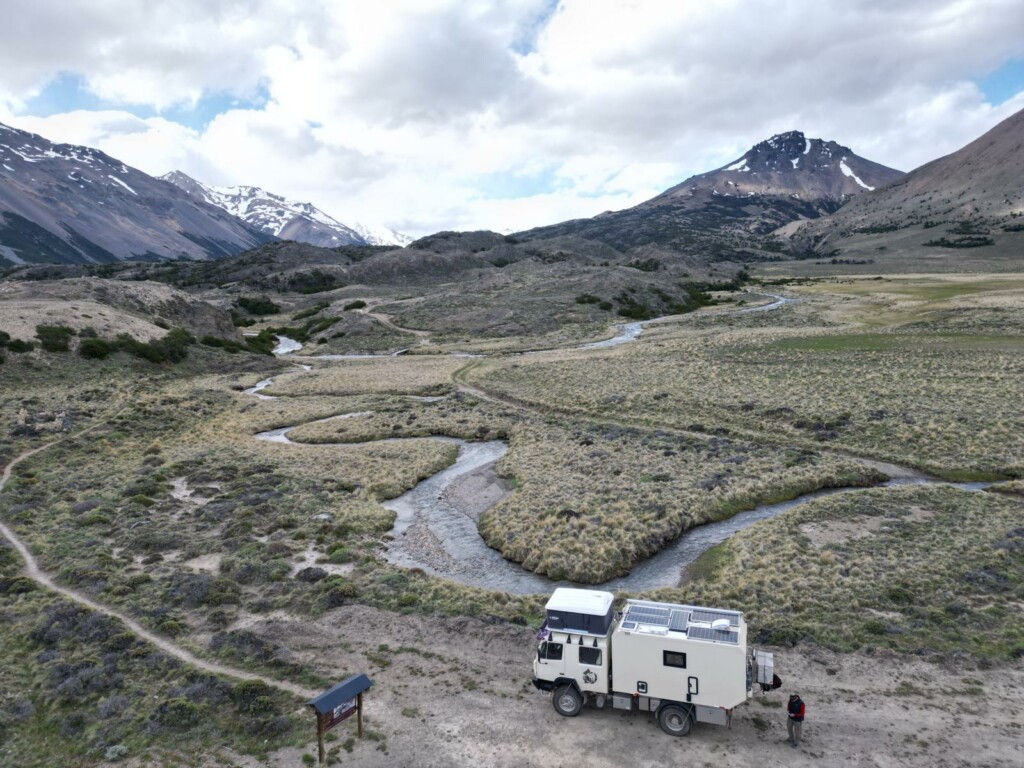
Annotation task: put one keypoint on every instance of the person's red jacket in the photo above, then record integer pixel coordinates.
(796, 709)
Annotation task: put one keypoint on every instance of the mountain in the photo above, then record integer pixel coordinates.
(71, 204)
(728, 212)
(286, 219)
(970, 199)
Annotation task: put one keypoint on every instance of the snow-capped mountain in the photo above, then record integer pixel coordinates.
(66, 203)
(789, 164)
(284, 218)
(729, 210)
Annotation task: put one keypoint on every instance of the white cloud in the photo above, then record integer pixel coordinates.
(404, 111)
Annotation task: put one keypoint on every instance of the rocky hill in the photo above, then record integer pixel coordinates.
(110, 307)
(971, 201)
(286, 219)
(63, 203)
(728, 213)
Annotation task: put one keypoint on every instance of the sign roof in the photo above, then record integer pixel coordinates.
(342, 692)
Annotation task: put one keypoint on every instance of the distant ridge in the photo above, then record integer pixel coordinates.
(64, 203)
(286, 219)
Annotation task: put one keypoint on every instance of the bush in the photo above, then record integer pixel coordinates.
(310, 311)
(645, 265)
(171, 348)
(971, 241)
(315, 281)
(258, 305)
(587, 298)
(359, 304)
(17, 345)
(54, 338)
(96, 349)
(179, 713)
(4, 338)
(263, 343)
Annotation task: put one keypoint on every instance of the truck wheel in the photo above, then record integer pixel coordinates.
(567, 701)
(674, 720)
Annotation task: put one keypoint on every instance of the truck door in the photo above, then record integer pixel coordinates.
(551, 660)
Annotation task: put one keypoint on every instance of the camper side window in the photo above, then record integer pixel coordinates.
(590, 656)
(674, 659)
(551, 651)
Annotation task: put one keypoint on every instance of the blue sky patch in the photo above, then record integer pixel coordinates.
(526, 42)
(1005, 83)
(510, 186)
(69, 91)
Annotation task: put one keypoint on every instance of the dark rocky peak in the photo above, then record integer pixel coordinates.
(789, 152)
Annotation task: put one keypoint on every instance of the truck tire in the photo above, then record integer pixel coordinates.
(567, 701)
(675, 720)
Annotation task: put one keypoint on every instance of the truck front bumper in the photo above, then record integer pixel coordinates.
(543, 685)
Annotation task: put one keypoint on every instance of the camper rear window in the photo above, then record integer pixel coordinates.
(674, 659)
(591, 656)
(551, 651)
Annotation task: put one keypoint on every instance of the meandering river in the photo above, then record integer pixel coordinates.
(435, 531)
(436, 527)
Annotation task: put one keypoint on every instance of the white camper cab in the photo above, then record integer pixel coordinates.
(683, 663)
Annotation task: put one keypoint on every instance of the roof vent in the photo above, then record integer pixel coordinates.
(721, 625)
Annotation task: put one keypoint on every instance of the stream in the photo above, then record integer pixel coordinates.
(436, 532)
(627, 332)
(286, 346)
(436, 520)
(456, 551)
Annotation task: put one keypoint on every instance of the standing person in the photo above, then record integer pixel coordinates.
(795, 723)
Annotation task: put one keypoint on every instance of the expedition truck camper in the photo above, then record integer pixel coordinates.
(683, 663)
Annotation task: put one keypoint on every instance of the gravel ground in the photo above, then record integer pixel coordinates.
(463, 697)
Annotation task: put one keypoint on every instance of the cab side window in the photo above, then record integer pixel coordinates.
(590, 656)
(551, 651)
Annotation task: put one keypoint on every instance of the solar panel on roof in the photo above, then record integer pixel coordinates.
(705, 633)
(629, 625)
(678, 621)
(645, 614)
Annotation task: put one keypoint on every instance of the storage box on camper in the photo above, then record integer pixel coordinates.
(579, 610)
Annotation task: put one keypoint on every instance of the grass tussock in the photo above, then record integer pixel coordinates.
(923, 570)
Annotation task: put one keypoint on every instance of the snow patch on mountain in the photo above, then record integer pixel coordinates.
(847, 171)
(284, 218)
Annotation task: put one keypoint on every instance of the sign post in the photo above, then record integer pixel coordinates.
(336, 705)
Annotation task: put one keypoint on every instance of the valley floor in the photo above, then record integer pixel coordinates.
(895, 612)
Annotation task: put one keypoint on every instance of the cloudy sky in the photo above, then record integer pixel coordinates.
(447, 114)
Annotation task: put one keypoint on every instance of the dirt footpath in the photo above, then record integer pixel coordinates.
(459, 693)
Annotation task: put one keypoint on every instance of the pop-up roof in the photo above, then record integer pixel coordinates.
(586, 601)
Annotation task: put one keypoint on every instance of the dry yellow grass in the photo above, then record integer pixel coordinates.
(406, 374)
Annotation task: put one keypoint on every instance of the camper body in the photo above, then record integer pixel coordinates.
(683, 663)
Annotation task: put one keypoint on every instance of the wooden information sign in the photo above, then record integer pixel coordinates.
(337, 704)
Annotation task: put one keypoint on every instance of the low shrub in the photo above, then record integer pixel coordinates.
(96, 349)
(54, 338)
(258, 305)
